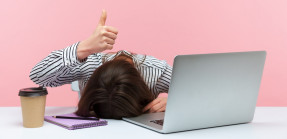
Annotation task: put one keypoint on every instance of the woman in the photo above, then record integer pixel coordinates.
(113, 85)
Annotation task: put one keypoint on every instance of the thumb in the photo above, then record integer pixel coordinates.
(103, 18)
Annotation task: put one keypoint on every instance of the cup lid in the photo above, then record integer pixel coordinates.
(33, 91)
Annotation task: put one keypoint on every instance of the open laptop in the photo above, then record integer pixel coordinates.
(209, 90)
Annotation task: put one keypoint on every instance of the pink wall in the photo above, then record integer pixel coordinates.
(31, 29)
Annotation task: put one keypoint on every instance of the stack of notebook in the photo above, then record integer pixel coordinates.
(73, 124)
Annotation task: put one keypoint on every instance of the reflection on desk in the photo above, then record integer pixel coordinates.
(268, 123)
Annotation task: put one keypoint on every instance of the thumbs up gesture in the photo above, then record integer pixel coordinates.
(103, 38)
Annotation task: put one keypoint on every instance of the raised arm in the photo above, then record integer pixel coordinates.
(58, 68)
(64, 66)
(102, 39)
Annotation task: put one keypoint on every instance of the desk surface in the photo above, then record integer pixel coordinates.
(268, 123)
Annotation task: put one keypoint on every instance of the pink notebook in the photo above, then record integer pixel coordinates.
(73, 124)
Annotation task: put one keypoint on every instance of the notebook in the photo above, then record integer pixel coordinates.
(73, 124)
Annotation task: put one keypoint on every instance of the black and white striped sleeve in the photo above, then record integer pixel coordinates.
(58, 68)
(163, 82)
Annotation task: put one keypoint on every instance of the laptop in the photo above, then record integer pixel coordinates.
(208, 90)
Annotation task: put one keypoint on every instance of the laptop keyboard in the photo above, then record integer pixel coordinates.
(159, 122)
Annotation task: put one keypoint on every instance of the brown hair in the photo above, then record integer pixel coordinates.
(115, 90)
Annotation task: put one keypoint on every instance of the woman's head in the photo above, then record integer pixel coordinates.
(115, 90)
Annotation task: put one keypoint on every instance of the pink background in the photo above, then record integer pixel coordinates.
(31, 29)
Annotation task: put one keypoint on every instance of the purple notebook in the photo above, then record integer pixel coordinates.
(73, 124)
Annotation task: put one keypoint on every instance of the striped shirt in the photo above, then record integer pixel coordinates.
(62, 67)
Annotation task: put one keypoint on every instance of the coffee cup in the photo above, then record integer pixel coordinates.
(33, 101)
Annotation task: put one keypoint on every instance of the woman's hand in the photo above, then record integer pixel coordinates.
(157, 105)
(102, 39)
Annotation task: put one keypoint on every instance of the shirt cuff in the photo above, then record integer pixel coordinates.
(70, 55)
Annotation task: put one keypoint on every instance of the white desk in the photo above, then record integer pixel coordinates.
(268, 123)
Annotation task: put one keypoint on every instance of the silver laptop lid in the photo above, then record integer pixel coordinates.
(210, 90)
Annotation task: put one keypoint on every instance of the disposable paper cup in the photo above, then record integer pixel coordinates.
(33, 101)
